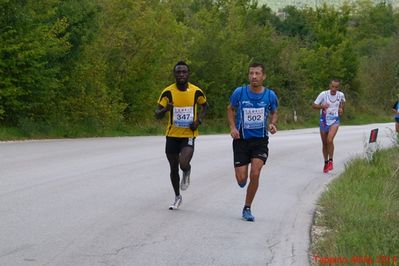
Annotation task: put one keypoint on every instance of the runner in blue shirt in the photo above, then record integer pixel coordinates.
(395, 109)
(250, 109)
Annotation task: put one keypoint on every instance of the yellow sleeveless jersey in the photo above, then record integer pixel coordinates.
(184, 112)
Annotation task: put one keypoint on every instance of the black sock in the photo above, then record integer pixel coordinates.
(326, 162)
(330, 159)
(246, 207)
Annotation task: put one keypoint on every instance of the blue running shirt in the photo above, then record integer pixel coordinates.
(396, 107)
(252, 111)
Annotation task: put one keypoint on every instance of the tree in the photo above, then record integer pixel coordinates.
(140, 43)
(379, 79)
(31, 43)
(294, 23)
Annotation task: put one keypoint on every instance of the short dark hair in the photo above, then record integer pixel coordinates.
(181, 63)
(335, 80)
(258, 65)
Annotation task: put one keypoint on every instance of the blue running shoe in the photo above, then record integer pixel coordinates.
(242, 185)
(247, 215)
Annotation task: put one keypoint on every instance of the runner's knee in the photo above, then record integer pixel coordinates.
(184, 164)
(255, 173)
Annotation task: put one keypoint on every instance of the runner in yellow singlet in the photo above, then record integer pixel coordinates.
(181, 100)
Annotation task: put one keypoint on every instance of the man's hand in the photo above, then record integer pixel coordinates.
(160, 112)
(272, 128)
(324, 106)
(234, 133)
(194, 125)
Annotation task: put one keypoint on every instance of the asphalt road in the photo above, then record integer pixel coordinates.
(104, 201)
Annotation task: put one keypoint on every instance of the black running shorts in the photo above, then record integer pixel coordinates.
(174, 145)
(245, 150)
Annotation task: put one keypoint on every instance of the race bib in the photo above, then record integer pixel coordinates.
(254, 118)
(183, 116)
(332, 113)
(331, 120)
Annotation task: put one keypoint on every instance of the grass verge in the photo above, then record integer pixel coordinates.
(149, 127)
(357, 218)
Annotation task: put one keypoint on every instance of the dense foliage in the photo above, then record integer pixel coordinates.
(100, 64)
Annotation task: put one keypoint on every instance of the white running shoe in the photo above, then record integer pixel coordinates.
(185, 181)
(176, 204)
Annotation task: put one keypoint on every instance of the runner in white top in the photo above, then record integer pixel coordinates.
(331, 105)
